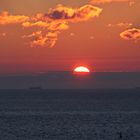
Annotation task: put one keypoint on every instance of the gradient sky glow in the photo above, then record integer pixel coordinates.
(109, 41)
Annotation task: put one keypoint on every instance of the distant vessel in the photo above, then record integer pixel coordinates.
(35, 88)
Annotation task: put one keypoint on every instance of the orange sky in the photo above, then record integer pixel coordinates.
(105, 36)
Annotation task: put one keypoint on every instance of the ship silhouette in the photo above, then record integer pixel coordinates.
(35, 88)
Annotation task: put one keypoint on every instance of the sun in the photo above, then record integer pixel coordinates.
(81, 69)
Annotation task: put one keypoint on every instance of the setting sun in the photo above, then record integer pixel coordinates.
(81, 69)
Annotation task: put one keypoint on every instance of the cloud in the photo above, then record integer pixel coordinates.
(5, 18)
(121, 24)
(131, 34)
(47, 32)
(41, 40)
(46, 37)
(125, 25)
(57, 20)
(98, 2)
(83, 13)
(48, 26)
(36, 24)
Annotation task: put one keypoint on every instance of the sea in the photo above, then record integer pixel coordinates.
(67, 106)
(70, 114)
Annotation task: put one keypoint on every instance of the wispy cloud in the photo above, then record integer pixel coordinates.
(98, 2)
(48, 26)
(121, 24)
(5, 18)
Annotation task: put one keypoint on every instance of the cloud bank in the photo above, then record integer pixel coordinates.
(48, 26)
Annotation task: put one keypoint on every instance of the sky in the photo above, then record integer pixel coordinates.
(57, 35)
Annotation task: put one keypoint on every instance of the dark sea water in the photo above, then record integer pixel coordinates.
(68, 80)
(107, 114)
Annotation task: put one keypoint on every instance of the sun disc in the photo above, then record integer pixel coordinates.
(81, 69)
